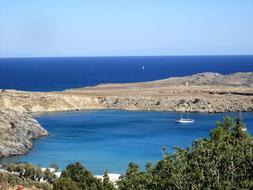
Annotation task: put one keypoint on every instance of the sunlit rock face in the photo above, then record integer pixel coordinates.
(17, 130)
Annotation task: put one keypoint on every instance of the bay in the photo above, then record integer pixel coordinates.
(110, 139)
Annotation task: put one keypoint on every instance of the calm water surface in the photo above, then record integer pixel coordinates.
(111, 139)
(48, 74)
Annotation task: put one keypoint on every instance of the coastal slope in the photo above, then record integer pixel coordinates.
(17, 129)
(204, 92)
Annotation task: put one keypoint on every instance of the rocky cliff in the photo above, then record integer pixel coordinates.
(17, 130)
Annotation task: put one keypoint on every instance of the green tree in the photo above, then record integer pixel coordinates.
(65, 184)
(106, 185)
(83, 178)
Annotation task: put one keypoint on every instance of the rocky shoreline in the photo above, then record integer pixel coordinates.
(204, 92)
(17, 130)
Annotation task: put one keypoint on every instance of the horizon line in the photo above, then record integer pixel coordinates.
(104, 56)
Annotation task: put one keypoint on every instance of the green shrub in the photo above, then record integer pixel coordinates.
(10, 180)
(65, 184)
(84, 179)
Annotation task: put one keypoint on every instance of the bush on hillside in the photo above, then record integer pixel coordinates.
(30, 171)
(81, 178)
(8, 181)
(65, 184)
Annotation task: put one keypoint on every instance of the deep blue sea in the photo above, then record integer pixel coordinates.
(47, 74)
(111, 139)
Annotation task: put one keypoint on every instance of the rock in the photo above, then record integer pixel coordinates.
(17, 130)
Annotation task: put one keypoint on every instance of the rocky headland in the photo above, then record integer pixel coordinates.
(17, 130)
(204, 92)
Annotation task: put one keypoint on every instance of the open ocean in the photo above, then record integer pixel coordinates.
(47, 74)
(110, 139)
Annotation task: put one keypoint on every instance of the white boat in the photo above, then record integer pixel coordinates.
(185, 120)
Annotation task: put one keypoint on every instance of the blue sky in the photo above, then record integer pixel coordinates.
(31, 28)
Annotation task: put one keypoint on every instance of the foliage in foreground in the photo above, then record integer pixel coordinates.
(9, 180)
(76, 177)
(224, 161)
(31, 172)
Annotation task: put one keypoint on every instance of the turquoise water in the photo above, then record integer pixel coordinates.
(111, 139)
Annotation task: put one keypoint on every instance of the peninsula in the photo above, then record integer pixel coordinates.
(204, 92)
